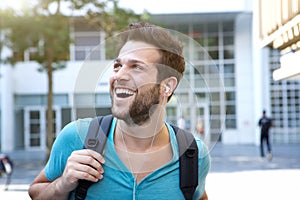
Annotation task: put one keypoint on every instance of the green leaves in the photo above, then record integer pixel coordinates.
(42, 34)
(43, 30)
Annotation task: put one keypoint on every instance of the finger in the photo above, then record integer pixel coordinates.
(76, 170)
(78, 159)
(93, 163)
(93, 154)
(89, 173)
(88, 176)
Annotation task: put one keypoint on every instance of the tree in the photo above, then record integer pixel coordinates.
(4, 18)
(44, 27)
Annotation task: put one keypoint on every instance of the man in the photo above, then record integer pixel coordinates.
(265, 124)
(141, 155)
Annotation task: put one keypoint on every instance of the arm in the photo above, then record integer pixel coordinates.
(42, 188)
(204, 166)
(204, 196)
(82, 164)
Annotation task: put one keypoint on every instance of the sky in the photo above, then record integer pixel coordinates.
(163, 6)
(184, 6)
(16, 4)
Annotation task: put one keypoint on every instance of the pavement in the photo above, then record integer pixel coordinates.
(237, 173)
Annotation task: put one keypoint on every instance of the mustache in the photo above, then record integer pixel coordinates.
(118, 83)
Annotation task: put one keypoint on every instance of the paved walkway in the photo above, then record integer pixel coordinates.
(237, 173)
(232, 158)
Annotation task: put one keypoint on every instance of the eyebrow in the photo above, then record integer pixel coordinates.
(131, 61)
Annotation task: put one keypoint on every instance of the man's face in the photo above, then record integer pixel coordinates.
(133, 84)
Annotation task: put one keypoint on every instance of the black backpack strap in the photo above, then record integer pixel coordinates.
(95, 139)
(188, 162)
(97, 133)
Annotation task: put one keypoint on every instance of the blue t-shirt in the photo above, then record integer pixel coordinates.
(118, 181)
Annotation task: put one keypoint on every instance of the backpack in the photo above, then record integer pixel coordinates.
(188, 151)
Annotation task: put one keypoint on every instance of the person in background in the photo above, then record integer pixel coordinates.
(200, 129)
(265, 124)
(181, 123)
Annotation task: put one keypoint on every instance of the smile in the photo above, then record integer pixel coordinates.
(124, 93)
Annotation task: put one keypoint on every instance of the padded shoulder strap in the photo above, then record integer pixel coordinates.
(95, 139)
(97, 134)
(188, 162)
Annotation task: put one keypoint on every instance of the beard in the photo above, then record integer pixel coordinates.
(142, 107)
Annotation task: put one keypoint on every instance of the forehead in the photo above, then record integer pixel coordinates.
(140, 51)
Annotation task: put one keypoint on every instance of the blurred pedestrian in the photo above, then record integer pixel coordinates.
(6, 168)
(200, 129)
(265, 124)
(181, 123)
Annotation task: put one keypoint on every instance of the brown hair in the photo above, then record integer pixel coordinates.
(172, 61)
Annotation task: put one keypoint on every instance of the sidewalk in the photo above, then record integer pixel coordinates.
(27, 164)
(232, 158)
(237, 173)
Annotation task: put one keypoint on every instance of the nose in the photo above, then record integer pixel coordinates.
(122, 73)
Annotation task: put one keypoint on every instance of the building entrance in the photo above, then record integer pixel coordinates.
(35, 126)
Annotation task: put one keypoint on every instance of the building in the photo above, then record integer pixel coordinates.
(226, 82)
(279, 37)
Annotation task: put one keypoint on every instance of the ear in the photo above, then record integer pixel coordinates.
(169, 85)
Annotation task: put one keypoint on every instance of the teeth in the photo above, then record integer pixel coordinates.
(124, 91)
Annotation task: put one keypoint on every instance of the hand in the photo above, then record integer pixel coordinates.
(82, 164)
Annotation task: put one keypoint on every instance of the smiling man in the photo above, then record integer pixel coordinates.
(134, 88)
(141, 157)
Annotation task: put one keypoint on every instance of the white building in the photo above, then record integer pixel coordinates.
(227, 82)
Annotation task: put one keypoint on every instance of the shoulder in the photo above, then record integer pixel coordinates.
(203, 149)
(82, 126)
(204, 163)
(74, 132)
(204, 159)
(70, 138)
(77, 125)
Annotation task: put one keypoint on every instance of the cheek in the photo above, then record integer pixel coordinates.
(111, 80)
(144, 81)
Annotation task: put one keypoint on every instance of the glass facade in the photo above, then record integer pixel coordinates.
(209, 77)
(285, 105)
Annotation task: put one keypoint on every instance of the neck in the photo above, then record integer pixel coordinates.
(141, 138)
(142, 155)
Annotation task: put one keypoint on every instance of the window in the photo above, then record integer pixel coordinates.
(87, 45)
(285, 105)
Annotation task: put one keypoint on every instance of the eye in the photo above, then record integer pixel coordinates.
(137, 67)
(117, 66)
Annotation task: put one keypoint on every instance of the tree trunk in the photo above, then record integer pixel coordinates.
(50, 131)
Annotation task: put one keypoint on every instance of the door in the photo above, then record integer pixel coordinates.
(191, 114)
(35, 126)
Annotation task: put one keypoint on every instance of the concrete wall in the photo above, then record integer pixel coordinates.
(25, 79)
(7, 109)
(245, 132)
(81, 75)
